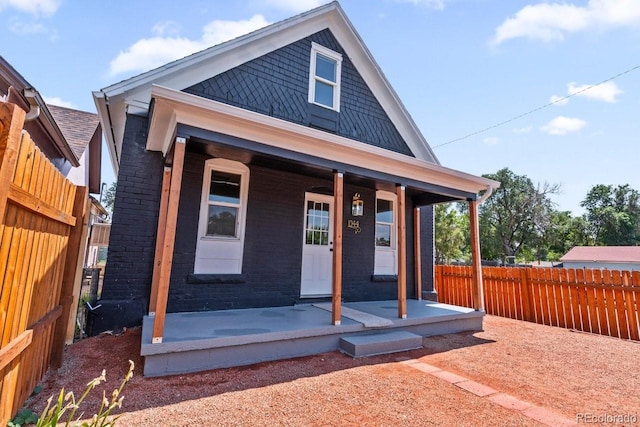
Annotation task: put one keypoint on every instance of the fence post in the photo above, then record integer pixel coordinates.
(74, 245)
(11, 123)
(526, 294)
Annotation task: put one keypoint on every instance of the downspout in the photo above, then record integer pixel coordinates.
(34, 111)
(486, 195)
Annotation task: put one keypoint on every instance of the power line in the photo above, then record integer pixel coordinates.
(539, 108)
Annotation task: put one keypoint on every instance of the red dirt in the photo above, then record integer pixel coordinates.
(562, 372)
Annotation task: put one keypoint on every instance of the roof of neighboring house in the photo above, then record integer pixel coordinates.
(78, 127)
(132, 96)
(15, 87)
(622, 254)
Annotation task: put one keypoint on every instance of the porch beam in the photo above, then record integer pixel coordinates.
(162, 225)
(336, 294)
(402, 252)
(168, 240)
(478, 296)
(417, 253)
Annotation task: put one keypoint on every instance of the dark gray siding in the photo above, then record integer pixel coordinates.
(277, 85)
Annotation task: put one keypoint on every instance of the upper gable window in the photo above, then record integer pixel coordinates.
(324, 77)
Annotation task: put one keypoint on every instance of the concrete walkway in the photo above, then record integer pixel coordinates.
(538, 413)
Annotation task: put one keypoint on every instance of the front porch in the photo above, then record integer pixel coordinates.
(199, 341)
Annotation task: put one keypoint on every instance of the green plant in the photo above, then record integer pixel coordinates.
(23, 417)
(55, 415)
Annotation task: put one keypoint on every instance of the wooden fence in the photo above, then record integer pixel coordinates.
(603, 302)
(39, 247)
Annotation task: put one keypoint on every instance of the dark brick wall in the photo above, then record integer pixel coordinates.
(127, 278)
(277, 84)
(273, 245)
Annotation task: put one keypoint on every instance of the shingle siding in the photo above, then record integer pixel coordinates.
(277, 84)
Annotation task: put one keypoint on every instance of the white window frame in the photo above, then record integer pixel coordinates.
(228, 246)
(386, 257)
(316, 50)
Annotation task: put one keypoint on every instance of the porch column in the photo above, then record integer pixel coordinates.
(478, 297)
(168, 240)
(336, 294)
(402, 252)
(162, 225)
(417, 253)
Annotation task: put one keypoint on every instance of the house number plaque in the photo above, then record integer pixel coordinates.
(354, 225)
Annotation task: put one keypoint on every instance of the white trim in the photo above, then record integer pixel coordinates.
(172, 107)
(317, 49)
(132, 96)
(231, 247)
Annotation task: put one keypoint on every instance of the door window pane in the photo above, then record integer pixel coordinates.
(317, 224)
(222, 221)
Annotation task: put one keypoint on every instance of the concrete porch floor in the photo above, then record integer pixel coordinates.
(198, 341)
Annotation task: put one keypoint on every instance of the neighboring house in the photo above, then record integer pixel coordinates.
(234, 165)
(39, 122)
(70, 139)
(607, 257)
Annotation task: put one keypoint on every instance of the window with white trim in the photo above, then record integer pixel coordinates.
(324, 77)
(386, 261)
(223, 210)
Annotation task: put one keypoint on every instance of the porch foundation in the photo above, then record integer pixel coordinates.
(199, 341)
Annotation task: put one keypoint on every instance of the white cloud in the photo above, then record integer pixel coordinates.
(296, 5)
(552, 21)
(22, 28)
(165, 28)
(54, 100)
(558, 100)
(606, 92)
(491, 140)
(432, 4)
(527, 129)
(562, 125)
(34, 7)
(149, 53)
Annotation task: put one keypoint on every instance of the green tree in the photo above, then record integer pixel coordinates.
(451, 233)
(109, 197)
(563, 232)
(613, 215)
(515, 216)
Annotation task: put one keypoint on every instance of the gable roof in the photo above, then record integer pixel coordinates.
(19, 91)
(78, 127)
(133, 95)
(622, 254)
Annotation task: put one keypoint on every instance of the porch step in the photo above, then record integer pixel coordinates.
(380, 343)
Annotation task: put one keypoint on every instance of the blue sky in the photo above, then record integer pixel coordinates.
(459, 66)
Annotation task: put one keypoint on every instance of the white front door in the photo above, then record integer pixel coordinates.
(317, 246)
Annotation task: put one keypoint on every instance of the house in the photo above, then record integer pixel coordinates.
(39, 121)
(278, 169)
(605, 257)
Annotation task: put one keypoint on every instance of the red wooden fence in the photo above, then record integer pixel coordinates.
(602, 302)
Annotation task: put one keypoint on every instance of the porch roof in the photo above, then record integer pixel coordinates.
(175, 113)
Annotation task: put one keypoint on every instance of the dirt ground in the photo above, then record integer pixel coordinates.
(571, 374)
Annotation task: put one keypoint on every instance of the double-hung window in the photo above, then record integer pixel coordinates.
(223, 208)
(386, 261)
(324, 77)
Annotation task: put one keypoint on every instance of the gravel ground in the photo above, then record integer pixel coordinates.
(568, 373)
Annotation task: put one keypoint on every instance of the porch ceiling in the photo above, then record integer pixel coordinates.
(259, 138)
